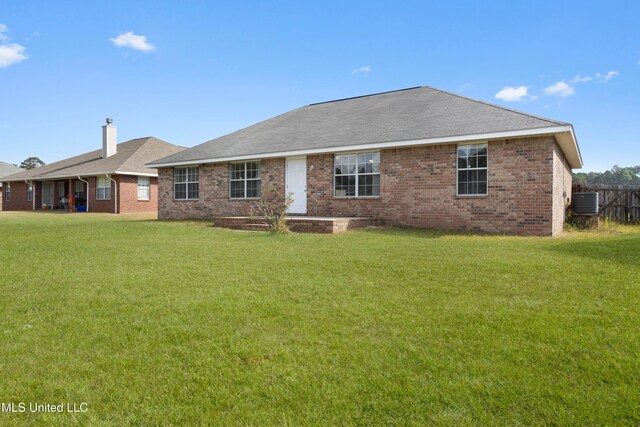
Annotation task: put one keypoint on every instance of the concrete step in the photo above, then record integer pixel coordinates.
(255, 227)
(302, 224)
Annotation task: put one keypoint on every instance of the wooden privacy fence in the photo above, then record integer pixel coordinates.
(618, 203)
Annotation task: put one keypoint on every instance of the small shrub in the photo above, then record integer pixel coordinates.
(273, 208)
(570, 221)
(573, 223)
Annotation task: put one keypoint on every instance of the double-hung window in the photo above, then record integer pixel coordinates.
(244, 182)
(357, 175)
(7, 192)
(144, 188)
(472, 170)
(186, 183)
(103, 188)
(29, 192)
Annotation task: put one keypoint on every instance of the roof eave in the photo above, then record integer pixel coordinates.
(563, 133)
(84, 175)
(569, 145)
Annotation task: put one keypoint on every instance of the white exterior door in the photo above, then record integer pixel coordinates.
(296, 182)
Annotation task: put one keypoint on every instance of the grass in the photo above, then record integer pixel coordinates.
(181, 323)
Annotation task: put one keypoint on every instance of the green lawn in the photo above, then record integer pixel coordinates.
(181, 323)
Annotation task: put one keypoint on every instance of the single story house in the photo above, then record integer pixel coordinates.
(113, 179)
(420, 157)
(6, 169)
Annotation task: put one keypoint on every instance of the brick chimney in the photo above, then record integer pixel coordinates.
(108, 139)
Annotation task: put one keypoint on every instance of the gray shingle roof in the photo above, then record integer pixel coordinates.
(131, 157)
(8, 169)
(403, 115)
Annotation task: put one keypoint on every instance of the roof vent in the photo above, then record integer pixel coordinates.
(109, 121)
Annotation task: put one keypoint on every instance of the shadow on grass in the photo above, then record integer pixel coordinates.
(428, 233)
(617, 249)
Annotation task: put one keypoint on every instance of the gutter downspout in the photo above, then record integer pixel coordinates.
(115, 194)
(33, 195)
(86, 182)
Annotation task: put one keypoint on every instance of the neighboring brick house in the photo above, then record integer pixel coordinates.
(113, 179)
(418, 157)
(6, 169)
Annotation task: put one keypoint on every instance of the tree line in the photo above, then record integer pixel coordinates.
(615, 176)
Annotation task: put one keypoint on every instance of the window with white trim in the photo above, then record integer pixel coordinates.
(472, 170)
(357, 175)
(103, 188)
(186, 183)
(7, 192)
(29, 192)
(144, 188)
(244, 180)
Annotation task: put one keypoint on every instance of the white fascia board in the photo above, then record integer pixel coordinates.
(136, 173)
(19, 179)
(74, 176)
(378, 146)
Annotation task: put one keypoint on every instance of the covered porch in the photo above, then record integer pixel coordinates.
(61, 195)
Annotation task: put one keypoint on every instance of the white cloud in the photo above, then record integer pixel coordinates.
(560, 88)
(365, 69)
(580, 79)
(3, 29)
(133, 41)
(10, 53)
(512, 94)
(608, 76)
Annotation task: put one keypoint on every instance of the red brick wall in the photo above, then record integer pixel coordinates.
(95, 205)
(214, 192)
(19, 200)
(418, 188)
(562, 180)
(128, 197)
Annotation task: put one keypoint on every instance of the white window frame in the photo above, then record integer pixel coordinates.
(106, 189)
(186, 182)
(7, 192)
(245, 180)
(486, 168)
(145, 187)
(29, 192)
(357, 174)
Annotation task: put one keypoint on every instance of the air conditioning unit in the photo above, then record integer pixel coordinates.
(585, 203)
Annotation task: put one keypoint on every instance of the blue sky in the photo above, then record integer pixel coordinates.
(189, 71)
